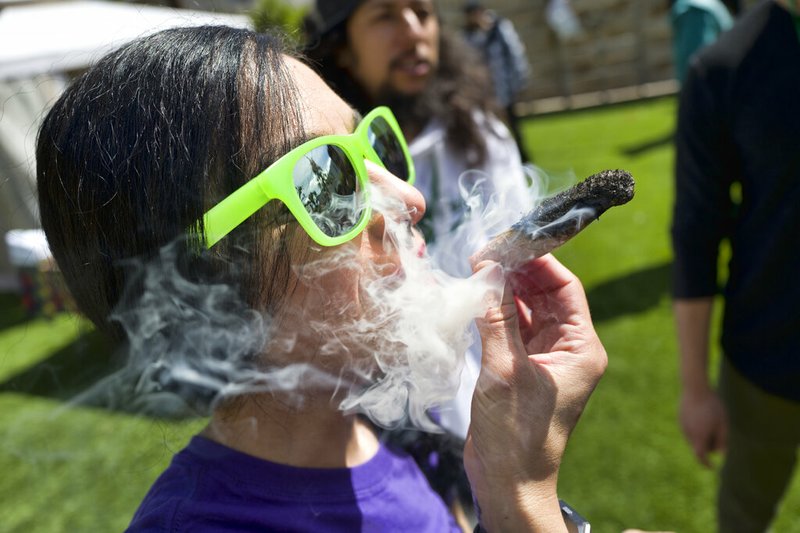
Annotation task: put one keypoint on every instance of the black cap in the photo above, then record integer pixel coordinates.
(473, 5)
(328, 14)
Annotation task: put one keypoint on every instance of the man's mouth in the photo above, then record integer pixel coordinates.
(412, 65)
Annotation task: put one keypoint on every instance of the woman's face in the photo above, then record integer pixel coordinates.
(330, 282)
(393, 46)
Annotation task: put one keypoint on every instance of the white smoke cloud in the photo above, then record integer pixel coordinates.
(392, 352)
(392, 346)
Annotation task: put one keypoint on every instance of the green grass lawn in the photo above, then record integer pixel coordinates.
(627, 464)
(68, 467)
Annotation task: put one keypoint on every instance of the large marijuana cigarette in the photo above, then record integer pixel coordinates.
(558, 219)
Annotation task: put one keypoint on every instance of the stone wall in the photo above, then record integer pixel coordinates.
(622, 52)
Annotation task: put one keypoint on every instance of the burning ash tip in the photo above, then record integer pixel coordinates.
(599, 192)
(617, 186)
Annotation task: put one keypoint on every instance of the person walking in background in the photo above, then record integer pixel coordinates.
(695, 24)
(504, 52)
(738, 178)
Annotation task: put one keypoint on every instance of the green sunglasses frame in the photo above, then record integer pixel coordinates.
(276, 182)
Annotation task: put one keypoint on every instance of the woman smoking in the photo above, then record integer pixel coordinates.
(213, 203)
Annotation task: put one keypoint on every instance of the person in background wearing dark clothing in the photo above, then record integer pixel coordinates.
(738, 179)
(504, 52)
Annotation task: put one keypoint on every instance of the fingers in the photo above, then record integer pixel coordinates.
(700, 440)
(545, 282)
(717, 442)
(701, 449)
(539, 298)
(499, 327)
(704, 423)
(705, 443)
(543, 274)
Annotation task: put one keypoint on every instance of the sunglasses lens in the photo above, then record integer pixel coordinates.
(386, 144)
(328, 187)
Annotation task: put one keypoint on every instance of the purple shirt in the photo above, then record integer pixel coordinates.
(210, 487)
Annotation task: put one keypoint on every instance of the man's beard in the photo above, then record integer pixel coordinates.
(413, 111)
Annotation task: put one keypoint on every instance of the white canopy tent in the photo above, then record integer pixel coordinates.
(52, 38)
(40, 43)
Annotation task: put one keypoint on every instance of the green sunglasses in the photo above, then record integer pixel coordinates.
(323, 182)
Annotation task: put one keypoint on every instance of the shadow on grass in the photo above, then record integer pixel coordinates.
(91, 372)
(69, 371)
(650, 144)
(634, 293)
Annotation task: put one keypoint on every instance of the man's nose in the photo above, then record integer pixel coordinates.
(412, 24)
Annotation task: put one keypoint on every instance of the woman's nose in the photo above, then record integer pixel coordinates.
(399, 189)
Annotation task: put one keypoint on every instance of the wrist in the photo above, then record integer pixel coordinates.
(530, 506)
(696, 391)
(695, 380)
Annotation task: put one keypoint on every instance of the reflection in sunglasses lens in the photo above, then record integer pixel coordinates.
(327, 185)
(387, 146)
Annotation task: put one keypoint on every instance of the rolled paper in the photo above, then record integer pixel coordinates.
(557, 219)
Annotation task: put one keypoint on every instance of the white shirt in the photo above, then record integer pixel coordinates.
(477, 202)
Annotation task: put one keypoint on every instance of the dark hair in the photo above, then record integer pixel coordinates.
(328, 14)
(461, 86)
(471, 6)
(140, 146)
